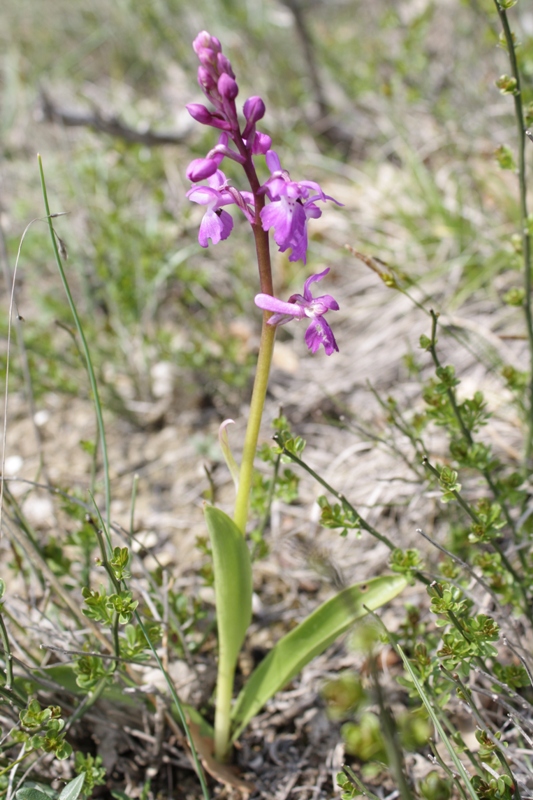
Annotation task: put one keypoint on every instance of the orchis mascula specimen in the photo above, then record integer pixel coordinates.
(300, 306)
(285, 206)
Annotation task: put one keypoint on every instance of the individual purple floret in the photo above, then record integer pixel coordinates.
(216, 224)
(292, 204)
(299, 306)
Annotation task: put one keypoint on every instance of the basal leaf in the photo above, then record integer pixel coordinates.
(31, 794)
(73, 789)
(310, 638)
(233, 584)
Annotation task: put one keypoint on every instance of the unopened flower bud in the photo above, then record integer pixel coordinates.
(254, 109)
(227, 87)
(208, 58)
(206, 80)
(204, 41)
(201, 114)
(224, 65)
(507, 85)
(202, 168)
(261, 144)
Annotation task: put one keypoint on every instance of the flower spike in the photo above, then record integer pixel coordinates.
(286, 206)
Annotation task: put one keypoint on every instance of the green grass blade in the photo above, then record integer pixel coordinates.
(431, 712)
(179, 708)
(86, 353)
(310, 638)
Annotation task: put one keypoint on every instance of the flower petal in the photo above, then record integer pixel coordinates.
(269, 303)
(216, 225)
(272, 161)
(278, 215)
(317, 277)
(299, 246)
(319, 333)
(262, 142)
(203, 195)
(324, 303)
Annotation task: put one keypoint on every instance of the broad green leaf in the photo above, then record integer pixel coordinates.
(41, 788)
(64, 675)
(310, 638)
(31, 794)
(233, 586)
(73, 789)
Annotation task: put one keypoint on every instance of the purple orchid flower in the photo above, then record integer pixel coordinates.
(292, 204)
(216, 224)
(300, 306)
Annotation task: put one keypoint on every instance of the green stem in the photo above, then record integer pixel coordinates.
(467, 435)
(264, 360)
(116, 584)
(14, 763)
(8, 666)
(223, 710)
(86, 353)
(344, 502)
(526, 236)
(470, 511)
(266, 348)
(505, 561)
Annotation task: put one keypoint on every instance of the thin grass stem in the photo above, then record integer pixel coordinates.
(340, 497)
(88, 360)
(8, 663)
(522, 183)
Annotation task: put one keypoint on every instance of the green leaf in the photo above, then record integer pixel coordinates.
(73, 789)
(223, 440)
(310, 638)
(233, 585)
(31, 794)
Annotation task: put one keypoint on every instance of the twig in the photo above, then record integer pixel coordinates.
(104, 124)
(322, 123)
(524, 226)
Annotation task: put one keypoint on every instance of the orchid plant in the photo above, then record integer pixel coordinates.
(285, 206)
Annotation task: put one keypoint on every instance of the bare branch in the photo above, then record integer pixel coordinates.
(103, 124)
